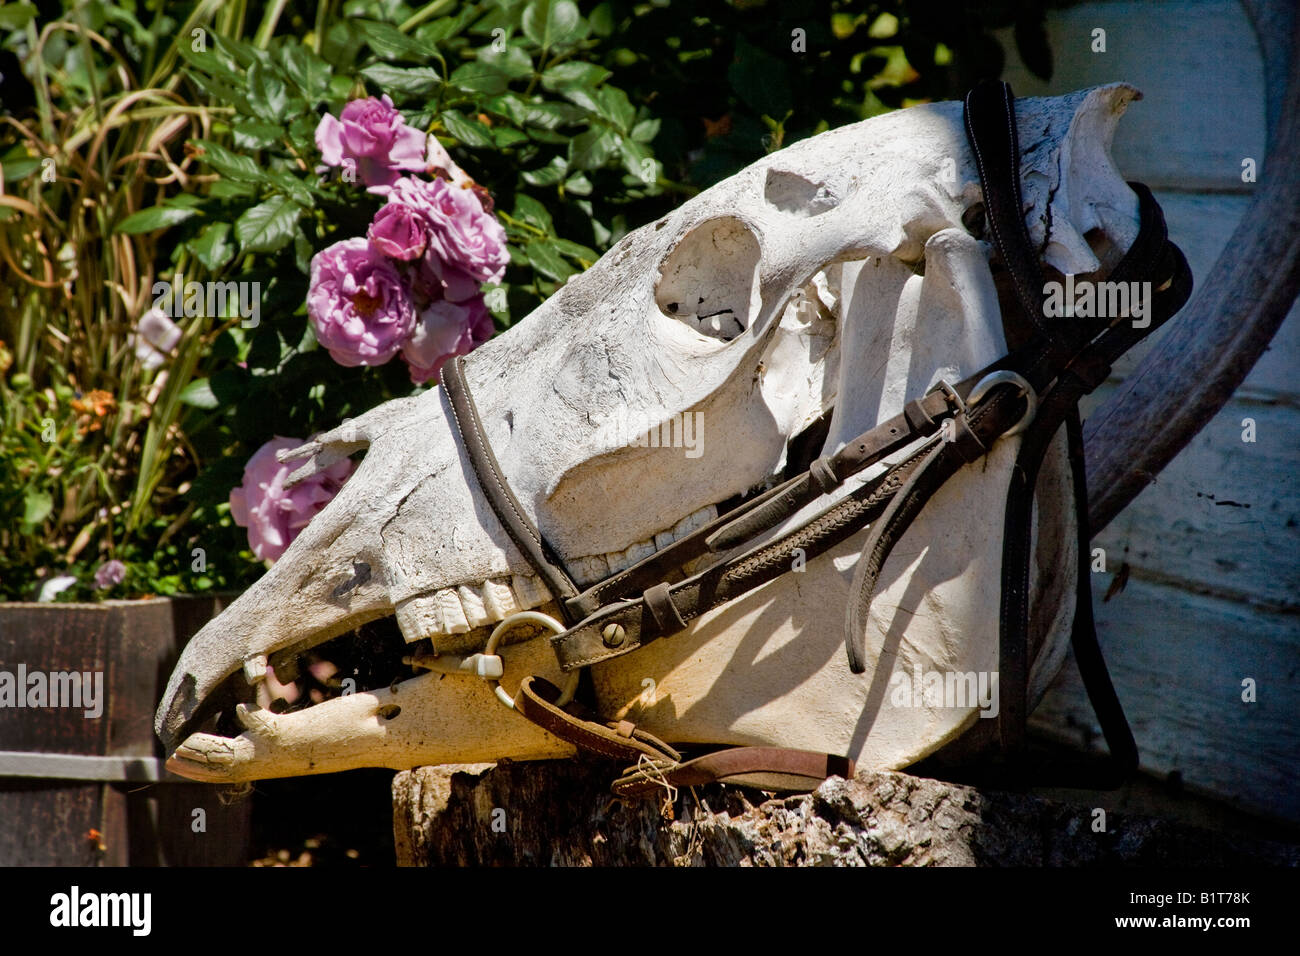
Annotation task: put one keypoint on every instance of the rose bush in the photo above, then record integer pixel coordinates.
(234, 144)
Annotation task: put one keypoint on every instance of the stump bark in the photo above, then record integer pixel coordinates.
(561, 813)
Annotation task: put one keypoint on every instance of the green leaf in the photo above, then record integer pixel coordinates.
(537, 115)
(534, 213)
(293, 187)
(230, 165)
(388, 42)
(256, 134)
(579, 185)
(198, 394)
(514, 61)
(153, 218)
(224, 94)
(15, 16)
(646, 130)
(308, 71)
(615, 107)
(602, 20)
(575, 250)
(414, 81)
(267, 226)
(37, 506)
(551, 23)
(545, 258)
(434, 33)
(548, 175)
(592, 149)
(639, 161)
(583, 97)
(467, 131)
(267, 93)
(245, 54)
(562, 76)
(212, 246)
(505, 136)
(302, 251)
(21, 168)
(479, 78)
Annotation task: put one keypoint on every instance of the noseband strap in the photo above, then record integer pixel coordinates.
(518, 525)
(1035, 388)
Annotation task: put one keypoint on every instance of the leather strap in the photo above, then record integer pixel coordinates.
(990, 119)
(521, 529)
(1079, 364)
(584, 644)
(1087, 652)
(656, 763)
(620, 740)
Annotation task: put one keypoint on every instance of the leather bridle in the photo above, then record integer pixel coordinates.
(1035, 389)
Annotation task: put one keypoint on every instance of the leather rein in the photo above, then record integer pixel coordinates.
(1035, 389)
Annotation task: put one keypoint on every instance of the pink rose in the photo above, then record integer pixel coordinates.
(273, 514)
(433, 280)
(445, 329)
(357, 303)
(398, 231)
(374, 136)
(458, 233)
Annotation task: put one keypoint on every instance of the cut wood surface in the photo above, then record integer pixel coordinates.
(560, 813)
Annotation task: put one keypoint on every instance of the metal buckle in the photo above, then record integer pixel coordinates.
(1006, 377)
(489, 666)
(954, 400)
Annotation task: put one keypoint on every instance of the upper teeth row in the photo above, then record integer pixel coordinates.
(461, 609)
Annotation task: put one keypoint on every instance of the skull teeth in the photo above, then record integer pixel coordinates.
(466, 607)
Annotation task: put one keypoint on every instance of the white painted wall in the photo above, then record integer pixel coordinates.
(1213, 548)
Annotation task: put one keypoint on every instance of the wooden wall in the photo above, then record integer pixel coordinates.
(1209, 556)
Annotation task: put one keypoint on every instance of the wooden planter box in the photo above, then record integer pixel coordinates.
(91, 791)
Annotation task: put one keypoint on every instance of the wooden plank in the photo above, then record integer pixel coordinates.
(1200, 70)
(48, 639)
(1178, 661)
(134, 644)
(1224, 516)
(47, 823)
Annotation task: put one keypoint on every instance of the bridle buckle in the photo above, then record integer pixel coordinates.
(1006, 377)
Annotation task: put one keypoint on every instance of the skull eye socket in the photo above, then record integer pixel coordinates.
(710, 279)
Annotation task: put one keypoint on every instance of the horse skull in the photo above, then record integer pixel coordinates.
(835, 273)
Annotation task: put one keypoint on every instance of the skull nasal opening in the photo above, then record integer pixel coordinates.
(710, 279)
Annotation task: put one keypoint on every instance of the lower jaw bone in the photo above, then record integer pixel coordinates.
(431, 719)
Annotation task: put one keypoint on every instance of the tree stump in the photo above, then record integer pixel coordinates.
(561, 813)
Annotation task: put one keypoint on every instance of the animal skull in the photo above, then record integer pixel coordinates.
(833, 274)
